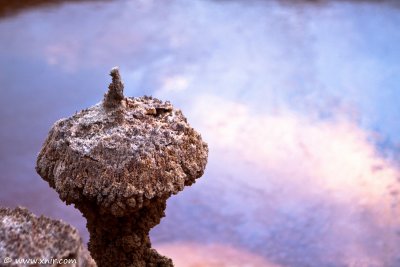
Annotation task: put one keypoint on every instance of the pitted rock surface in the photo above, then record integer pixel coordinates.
(118, 162)
(118, 157)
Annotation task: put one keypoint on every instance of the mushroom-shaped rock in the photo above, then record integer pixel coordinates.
(118, 162)
(23, 236)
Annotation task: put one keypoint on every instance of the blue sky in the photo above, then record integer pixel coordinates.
(299, 105)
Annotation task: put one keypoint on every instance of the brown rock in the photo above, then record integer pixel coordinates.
(23, 236)
(118, 162)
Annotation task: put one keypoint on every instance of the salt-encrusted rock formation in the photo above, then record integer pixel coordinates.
(23, 236)
(118, 162)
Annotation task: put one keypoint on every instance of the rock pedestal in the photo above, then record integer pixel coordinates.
(118, 162)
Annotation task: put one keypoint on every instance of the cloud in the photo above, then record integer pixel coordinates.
(298, 191)
(336, 155)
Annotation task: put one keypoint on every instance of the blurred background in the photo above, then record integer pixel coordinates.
(298, 101)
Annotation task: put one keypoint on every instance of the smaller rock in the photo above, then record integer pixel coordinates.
(115, 92)
(24, 236)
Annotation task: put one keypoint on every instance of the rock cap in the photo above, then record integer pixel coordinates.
(122, 152)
